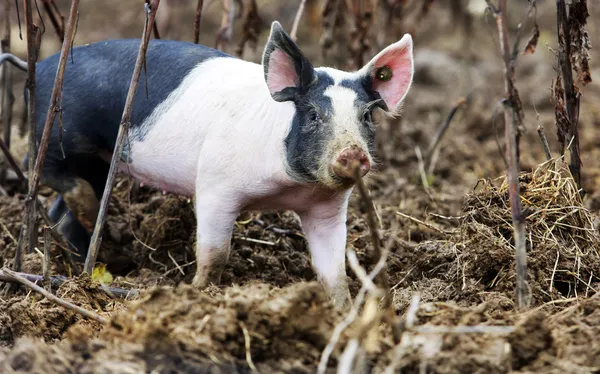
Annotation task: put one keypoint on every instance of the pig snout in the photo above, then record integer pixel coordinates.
(344, 165)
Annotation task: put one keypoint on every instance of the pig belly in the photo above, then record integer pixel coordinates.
(163, 165)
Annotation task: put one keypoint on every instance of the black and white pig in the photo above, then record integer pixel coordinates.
(234, 134)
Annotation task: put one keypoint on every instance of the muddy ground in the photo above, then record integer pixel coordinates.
(269, 314)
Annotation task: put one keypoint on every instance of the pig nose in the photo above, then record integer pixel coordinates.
(343, 167)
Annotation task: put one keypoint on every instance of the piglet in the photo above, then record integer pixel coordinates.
(236, 135)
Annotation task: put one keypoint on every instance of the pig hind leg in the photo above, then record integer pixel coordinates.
(79, 201)
(71, 229)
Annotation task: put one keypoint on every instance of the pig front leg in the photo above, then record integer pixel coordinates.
(215, 218)
(325, 230)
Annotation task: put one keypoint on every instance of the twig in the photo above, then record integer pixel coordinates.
(358, 301)
(368, 205)
(251, 27)
(8, 98)
(247, 346)
(120, 142)
(353, 357)
(197, 21)
(376, 255)
(65, 304)
(225, 33)
(421, 165)
(46, 260)
(28, 229)
(478, 329)
(52, 11)
(542, 135)
(30, 202)
(53, 107)
(294, 32)
(346, 361)
(57, 281)
(442, 130)
(411, 314)
(513, 119)
(360, 19)
(428, 225)
(11, 160)
(360, 272)
(154, 25)
(571, 94)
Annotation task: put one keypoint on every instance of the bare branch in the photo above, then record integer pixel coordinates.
(225, 33)
(29, 229)
(11, 160)
(57, 281)
(46, 260)
(294, 32)
(442, 130)
(65, 304)
(542, 135)
(513, 117)
(358, 302)
(54, 14)
(197, 21)
(567, 101)
(251, 27)
(8, 98)
(30, 203)
(154, 25)
(120, 142)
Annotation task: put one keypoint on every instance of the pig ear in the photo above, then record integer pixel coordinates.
(286, 69)
(391, 73)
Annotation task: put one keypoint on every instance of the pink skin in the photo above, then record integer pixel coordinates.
(400, 61)
(281, 72)
(344, 164)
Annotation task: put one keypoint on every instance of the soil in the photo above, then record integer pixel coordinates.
(269, 314)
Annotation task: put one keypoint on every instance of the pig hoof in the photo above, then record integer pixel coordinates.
(205, 278)
(340, 297)
(86, 223)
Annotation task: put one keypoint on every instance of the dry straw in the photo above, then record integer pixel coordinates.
(560, 230)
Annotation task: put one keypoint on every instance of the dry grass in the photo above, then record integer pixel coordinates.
(562, 242)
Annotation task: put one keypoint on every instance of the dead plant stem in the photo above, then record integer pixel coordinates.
(29, 227)
(199, 7)
(65, 304)
(294, 32)
(512, 123)
(571, 95)
(57, 281)
(7, 89)
(120, 142)
(52, 11)
(46, 260)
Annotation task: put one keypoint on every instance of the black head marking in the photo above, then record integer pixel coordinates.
(311, 129)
